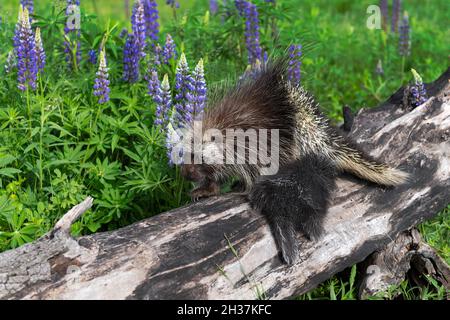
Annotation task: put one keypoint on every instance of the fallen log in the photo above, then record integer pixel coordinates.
(218, 248)
(408, 253)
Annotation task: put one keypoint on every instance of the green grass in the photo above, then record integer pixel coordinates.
(57, 145)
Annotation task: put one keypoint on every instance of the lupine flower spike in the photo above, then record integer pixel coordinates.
(154, 85)
(252, 32)
(198, 94)
(396, 12)
(169, 50)
(405, 37)
(157, 55)
(92, 56)
(29, 4)
(213, 6)
(418, 92)
(240, 6)
(40, 50)
(295, 54)
(72, 34)
(138, 26)
(101, 85)
(183, 87)
(151, 19)
(25, 47)
(173, 3)
(123, 33)
(162, 97)
(131, 59)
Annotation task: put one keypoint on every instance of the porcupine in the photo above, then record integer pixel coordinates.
(311, 154)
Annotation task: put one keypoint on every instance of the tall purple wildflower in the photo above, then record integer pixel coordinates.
(252, 32)
(29, 4)
(41, 57)
(173, 3)
(138, 26)
(169, 50)
(157, 55)
(404, 45)
(123, 33)
(72, 44)
(384, 13)
(418, 92)
(151, 19)
(295, 54)
(240, 6)
(101, 85)
(153, 83)
(184, 87)
(25, 46)
(160, 92)
(131, 59)
(92, 56)
(213, 6)
(198, 95)
(396, 12)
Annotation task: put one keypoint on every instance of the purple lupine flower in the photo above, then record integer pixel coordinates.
(213, 6)
(138, 25)
(123, 33)
(92, 56)
(240, 6)
(379, 69)
(161, 95)
(173, 3)
(29, 4)
(72, 37)
(11, 61)
(151, 19)
(183, 87)
(198, 95)
(153, 84)
(101, 85)
(165, 101)
(169, 50)
(157, 55)
(131, 59)
(295, 54)
(396, 12)
(25, 46)
(404, 44)
(41, 57)
(418, 92)
(252, 32)
(384, 13)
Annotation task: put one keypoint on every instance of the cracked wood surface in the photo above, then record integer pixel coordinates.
(190, 252)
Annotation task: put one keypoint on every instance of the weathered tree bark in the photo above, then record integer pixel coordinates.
(406, 254)
(219, 248)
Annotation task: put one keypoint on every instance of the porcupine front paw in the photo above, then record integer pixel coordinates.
(205, 191)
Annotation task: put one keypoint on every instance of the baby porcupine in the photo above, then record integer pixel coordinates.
(295, 199)
(310, 152)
